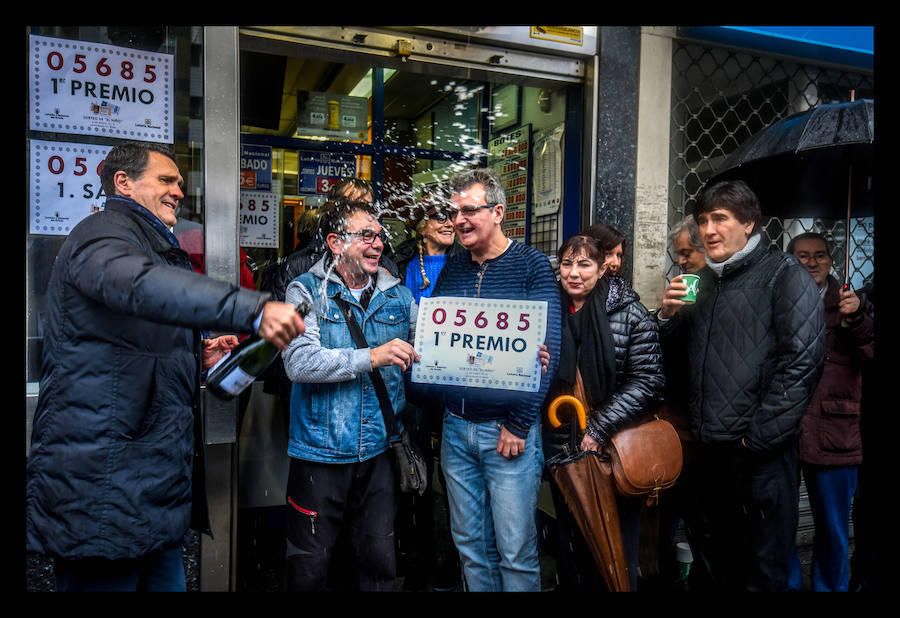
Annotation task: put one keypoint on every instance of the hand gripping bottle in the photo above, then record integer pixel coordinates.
(241, 366)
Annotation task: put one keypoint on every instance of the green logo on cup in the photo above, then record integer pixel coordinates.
(693, 287)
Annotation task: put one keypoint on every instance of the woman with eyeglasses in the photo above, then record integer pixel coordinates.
(611, 340)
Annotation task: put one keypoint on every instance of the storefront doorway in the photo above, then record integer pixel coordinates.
(321, 104)
(263, 120)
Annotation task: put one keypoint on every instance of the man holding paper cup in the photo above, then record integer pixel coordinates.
(753, 344)
(491, 446)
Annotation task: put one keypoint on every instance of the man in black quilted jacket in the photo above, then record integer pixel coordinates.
(754, 345)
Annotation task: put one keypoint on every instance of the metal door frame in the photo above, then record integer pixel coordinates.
(221, 158)
(221, 190)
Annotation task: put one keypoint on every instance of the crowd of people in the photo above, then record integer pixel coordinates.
(761, 376)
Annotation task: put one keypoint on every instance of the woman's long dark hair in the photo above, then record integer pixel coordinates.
(605, 234)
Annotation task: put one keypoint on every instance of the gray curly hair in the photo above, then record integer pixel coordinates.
(689, 224)
(488, 178)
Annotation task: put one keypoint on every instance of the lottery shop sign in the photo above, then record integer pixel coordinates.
(64, 185)
(96, 89)
(258, 219)
(320, 171)
(480, 342)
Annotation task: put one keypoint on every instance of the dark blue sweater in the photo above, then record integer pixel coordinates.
(519, 273)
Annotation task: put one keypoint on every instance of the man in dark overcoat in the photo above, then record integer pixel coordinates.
(753, 344)
(115, 475)
(830, 437)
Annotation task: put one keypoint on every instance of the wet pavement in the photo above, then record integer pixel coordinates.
(39, 573)
(259, 568)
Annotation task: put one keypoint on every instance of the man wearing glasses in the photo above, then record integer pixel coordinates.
(491, 448)
(341, 475)
(830, 440)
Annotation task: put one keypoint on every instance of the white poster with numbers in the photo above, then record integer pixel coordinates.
(480, 342)
(97, 89)
(64, 185)
(258, 219)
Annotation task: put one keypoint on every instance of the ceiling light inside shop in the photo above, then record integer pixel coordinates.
(364, 87)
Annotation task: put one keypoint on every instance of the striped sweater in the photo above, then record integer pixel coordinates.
(519, 273)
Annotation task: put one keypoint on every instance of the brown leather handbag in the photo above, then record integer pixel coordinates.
(643, 460)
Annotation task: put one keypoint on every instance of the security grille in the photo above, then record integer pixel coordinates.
(721, 97)
(545, 233)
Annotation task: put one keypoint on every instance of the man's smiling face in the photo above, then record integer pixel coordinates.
(358, 259)
(476, 230)
(158, 189)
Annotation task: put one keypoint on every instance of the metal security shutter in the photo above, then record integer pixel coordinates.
(722, 96)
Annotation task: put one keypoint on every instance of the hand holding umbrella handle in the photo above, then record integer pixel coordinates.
(563, 400)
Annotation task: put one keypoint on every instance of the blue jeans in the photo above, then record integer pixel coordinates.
(830, 491)
(159, 571)
(493, 503)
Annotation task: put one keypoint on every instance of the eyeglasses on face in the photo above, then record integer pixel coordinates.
(369, 236)
(469, 211)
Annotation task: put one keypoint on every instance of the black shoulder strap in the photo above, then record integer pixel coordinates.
(387, 410)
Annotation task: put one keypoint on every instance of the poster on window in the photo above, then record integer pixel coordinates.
(320, 171)
(87, 88)
(335, 116)
(547, 177)
(256, 167)
(64, 185)
(480, 342)
(258, 219)
(509, 158)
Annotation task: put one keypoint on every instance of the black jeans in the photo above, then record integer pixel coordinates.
(325, 500)
(682, 504)
(751, 505)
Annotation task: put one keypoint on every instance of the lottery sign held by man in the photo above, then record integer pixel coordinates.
(480, 342)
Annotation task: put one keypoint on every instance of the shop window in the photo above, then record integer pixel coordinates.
(103, 69)
(433, 113)
(421, 127)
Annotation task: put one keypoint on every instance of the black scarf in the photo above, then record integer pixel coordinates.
(587, 343)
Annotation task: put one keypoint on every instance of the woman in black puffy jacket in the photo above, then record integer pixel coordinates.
(614, 342)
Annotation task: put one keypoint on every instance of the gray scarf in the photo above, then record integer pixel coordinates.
(718, 267)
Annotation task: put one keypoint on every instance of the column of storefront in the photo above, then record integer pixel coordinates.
(617, 106)
(633, 148)
(652, 170)
(221, 201)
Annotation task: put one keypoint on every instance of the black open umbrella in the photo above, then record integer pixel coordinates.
(817, 163)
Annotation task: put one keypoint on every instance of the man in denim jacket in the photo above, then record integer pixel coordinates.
(341, 475)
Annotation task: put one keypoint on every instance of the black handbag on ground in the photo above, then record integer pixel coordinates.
(411, 469)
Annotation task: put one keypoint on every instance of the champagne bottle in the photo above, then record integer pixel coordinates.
(242, 365)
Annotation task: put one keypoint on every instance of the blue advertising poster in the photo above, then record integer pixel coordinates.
(256, 167)
(319, 171)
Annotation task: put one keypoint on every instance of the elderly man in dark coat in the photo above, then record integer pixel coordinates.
(830, 438)
(115, 475)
